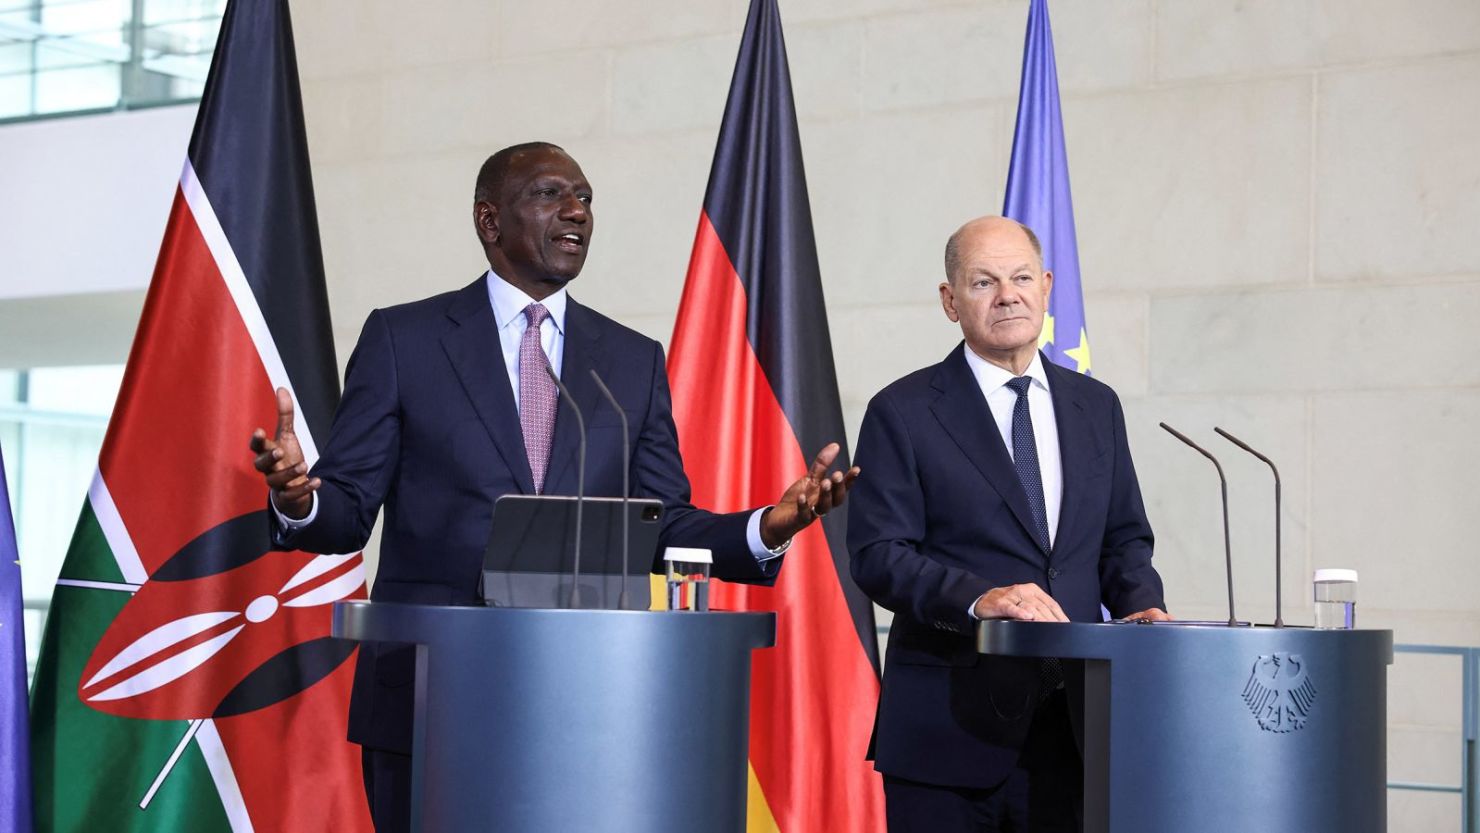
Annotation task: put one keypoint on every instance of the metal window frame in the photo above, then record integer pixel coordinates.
(132, 69)
(1469, 764)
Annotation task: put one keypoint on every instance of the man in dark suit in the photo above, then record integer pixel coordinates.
(1000, 486)
(447, 406)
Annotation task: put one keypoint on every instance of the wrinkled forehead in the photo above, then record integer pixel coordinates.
(998, 247)
(537, 163)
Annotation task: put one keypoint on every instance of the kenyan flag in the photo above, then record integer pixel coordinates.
(188, 680)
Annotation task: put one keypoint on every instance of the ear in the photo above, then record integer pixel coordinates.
(1047, 284)
(485, 221)
(948, 301)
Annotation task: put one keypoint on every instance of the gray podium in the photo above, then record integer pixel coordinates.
(591, 720)
(1212, 729)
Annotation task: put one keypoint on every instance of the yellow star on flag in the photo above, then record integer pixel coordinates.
(1080, 354)
(1046, 336)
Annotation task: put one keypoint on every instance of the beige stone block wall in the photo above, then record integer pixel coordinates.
(1277, 206)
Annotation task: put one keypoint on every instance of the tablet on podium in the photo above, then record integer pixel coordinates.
(530, 560)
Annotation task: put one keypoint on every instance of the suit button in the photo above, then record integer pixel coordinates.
(1053, 573)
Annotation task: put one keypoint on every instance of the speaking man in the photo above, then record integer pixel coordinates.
(447, 406)
(1000, 486)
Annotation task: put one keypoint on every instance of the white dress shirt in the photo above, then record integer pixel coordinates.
(508, 304)
(508, 313)
(1001, 399)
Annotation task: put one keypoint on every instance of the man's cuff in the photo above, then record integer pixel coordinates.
(971, 609)
(287, 524)
(758, 547)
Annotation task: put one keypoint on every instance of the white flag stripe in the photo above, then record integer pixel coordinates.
(114, 531)
(331, 592)
(226, 786)
(98, 585)
(170, 670)
(246, 302)
(315, 568)
(151, 643)
(169, 766)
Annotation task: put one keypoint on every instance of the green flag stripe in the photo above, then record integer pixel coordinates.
(91, 769)
(89, 558)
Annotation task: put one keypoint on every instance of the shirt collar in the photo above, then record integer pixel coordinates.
(509, 302)
(991, 377)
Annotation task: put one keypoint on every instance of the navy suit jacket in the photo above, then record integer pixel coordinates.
(428, 430)
(940, 517)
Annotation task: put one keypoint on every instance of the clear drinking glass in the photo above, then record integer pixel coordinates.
(688, 578)
(1336, 599)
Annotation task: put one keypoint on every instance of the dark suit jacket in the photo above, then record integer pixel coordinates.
(940, 517)
(428, 430)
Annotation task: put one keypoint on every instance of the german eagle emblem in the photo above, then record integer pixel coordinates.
(1280, 692)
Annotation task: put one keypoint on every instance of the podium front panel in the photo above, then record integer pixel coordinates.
(1217, 729)
(545, 720)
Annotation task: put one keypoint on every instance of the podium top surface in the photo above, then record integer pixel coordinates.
(428, 624)
(1125, 640)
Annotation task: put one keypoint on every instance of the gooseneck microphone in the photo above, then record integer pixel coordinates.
(626, 466)
(575, 584)
(1227, 540)
(1279, 619)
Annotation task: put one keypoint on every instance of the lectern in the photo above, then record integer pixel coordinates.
(593, 720)
(1217, 729)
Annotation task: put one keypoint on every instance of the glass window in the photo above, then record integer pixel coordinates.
(59, 56)
(52, 422)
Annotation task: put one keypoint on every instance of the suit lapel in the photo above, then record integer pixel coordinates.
(962, 411)
(1075, 450)
(472, 346)
(582, 343)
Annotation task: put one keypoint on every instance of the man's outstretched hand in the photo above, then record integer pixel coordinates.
(808, 499)
(280, 460)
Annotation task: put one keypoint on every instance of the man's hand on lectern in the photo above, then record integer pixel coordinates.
(1028, 602)
(280, 460)
(808, 499)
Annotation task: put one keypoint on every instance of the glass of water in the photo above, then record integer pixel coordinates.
(688, 578)
(1336, 599)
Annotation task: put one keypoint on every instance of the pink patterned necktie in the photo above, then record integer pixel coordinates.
(537, 397)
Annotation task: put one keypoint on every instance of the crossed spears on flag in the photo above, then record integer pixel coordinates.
(175, 649)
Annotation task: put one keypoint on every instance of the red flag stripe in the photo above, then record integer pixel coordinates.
(230, 271)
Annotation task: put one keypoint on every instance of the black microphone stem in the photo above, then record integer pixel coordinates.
(1279, 619)
(575, 584)
(1227, 540)
(626, 466)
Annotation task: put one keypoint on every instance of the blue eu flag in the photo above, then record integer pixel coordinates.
(1038, 193)
(15, 752)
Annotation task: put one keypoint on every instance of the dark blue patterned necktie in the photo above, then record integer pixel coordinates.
(1025, 458)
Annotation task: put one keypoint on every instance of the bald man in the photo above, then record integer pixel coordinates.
(1000, 486)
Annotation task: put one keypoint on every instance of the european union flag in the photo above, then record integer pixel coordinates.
(15, 750)
(1038, 193)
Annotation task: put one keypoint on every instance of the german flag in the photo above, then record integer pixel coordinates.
(755, 395)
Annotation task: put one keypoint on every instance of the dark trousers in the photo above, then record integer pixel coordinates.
(388, 789)
(1044, 793)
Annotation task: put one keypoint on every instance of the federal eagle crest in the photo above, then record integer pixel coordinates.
(1280, 692)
